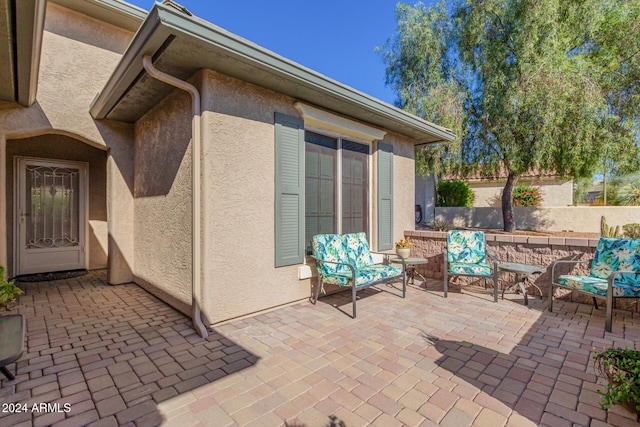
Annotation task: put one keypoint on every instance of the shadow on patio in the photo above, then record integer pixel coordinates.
(120, 356)
(111, 353)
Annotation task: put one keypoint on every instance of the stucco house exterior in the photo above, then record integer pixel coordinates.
(185, 158)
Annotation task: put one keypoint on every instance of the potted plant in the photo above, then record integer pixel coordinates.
(403, 247)
(8, 290)
(621, 367)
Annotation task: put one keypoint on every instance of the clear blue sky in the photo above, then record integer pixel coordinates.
(334, 37)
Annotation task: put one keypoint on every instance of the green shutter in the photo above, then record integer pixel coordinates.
(385, 196)
(289, 212)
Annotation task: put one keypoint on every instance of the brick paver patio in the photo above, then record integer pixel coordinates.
(118, 356)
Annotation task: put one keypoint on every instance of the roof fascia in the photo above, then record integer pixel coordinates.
(147, 41)
(118, 13)
(29, 29)
(235, 44)
(165, 20)
(7, 82)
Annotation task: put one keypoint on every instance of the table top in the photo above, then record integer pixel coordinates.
(514, 267)
(410, 260)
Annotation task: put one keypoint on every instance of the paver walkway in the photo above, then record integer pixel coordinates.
(119, 356)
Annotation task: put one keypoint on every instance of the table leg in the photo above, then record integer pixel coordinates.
(520, 283)
(523, 289)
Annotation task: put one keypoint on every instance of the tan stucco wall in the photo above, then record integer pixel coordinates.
(403, 185)
(571, 218)
(239, 276)
(238, 201)
(162, 219)
(554, 192)
(78, 55)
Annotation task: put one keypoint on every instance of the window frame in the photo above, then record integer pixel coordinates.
(338, 191)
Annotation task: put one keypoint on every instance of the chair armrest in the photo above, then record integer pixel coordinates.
(612, 276)
(563, 261)
(388, 254)
(494, 257)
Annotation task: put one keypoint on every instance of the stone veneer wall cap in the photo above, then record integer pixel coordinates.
(577, 242)
(538, 240)
(593, 242)
(520, 239)
(504, 238)
(557, 241)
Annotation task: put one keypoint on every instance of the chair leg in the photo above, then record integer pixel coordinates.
(446, 270)
(551, 297)
(446, 279)
(318, 289)
(404, 285)
(608, 323)
(595, 303)
(353, 292)
(495, 286)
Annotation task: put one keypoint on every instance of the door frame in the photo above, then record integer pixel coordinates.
(84, 205)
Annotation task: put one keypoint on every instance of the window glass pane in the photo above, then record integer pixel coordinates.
(355, 187)
(320, 185)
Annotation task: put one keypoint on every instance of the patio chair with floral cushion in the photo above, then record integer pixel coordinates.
(466, 255)
(614, 273)
(345, 260)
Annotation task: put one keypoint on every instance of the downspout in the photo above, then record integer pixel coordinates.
(196, 159)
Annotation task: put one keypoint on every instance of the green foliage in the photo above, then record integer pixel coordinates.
(526, 85)
(8, 290)
(629, 194)
(622, 190)
(631, 231)
(526, 195)
(454, 193)
(621, 367)
(582, 188)
(606, 231)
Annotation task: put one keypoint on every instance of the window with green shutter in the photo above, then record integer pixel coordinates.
(323, 186)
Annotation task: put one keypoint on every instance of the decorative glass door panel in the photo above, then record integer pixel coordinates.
(51, 216)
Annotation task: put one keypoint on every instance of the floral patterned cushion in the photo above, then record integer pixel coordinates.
(617, 255)
(465, 247)
(330, 247)
(598, 286)
(354, 250)
(364, 275)
(479, 269)
(358, 250)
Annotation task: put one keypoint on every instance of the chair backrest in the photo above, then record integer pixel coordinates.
(330, 247)
(358, 250)
(614, 254)
(465, 246)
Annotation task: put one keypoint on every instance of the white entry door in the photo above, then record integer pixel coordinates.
(51, 215)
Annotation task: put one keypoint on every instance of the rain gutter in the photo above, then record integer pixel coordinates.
(196, 159)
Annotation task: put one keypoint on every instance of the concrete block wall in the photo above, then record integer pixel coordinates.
(536, 250)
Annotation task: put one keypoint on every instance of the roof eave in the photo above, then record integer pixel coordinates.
(163, 21)
(20, 50)
(115, 12)
(30, 16)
